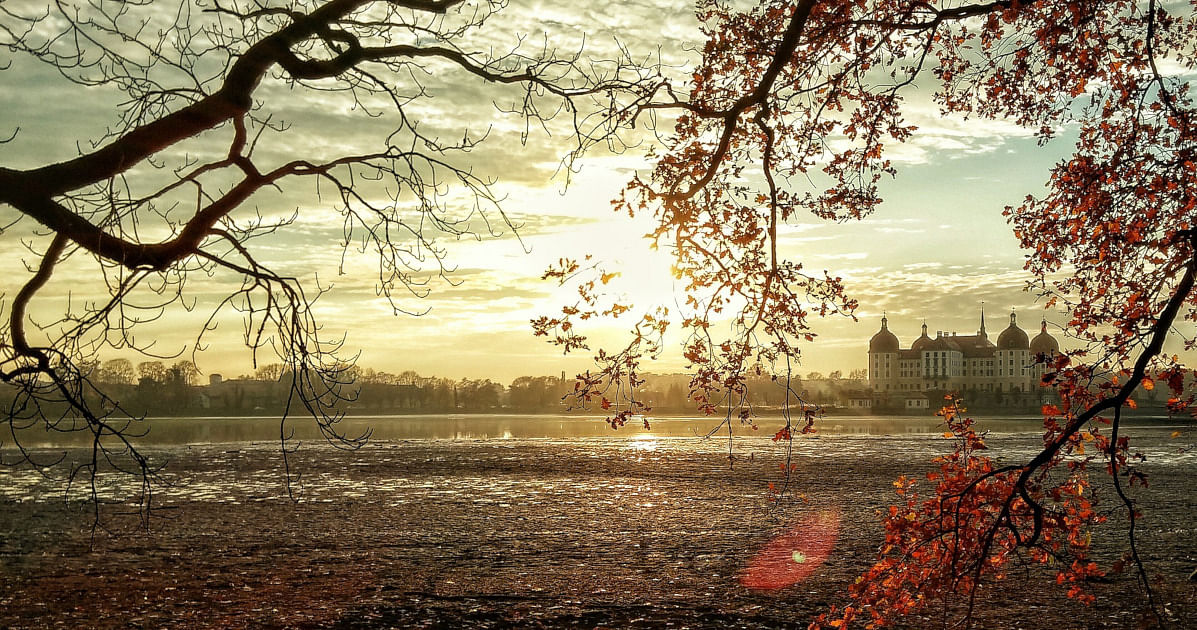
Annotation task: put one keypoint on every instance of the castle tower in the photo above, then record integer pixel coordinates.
(883, 358)
(1043, 348)
(1013, 358)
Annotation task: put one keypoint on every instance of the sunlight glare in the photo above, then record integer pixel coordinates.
(644, 442)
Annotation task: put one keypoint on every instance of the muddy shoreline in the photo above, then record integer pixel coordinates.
(520, 534)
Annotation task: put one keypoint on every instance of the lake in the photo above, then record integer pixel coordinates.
(510, 522)
(222, 430)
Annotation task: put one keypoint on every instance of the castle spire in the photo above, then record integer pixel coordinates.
(924, 328)
(1013, 317)
(981, 333)
(884, 321)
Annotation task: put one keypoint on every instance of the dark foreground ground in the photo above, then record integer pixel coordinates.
(594, 533)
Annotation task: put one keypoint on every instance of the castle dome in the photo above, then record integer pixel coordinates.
(922, 342)
(1044, 343)
(884, 340)
(940, 343)
(1013, 338)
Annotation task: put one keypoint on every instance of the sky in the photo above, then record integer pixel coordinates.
(936, 250)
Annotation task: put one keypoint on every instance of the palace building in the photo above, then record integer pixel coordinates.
(1002, 374)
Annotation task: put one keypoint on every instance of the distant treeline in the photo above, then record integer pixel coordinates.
(156, 389)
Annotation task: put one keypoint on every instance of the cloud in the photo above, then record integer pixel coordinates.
(932, 251)
(846, 256)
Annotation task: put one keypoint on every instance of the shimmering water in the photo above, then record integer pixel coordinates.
(226, 445)
(508, 522)
(218, 430)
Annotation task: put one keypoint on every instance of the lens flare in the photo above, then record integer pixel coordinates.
(795, 554)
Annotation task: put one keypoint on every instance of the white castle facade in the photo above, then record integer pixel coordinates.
(1001, 374)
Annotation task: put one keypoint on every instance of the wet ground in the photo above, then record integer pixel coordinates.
(624, 532)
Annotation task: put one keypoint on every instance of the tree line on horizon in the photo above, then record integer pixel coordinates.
(156, 388)
(153, 388)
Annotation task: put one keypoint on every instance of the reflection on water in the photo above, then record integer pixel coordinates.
(450, 451)
(646, 442)
(627, 529)
(178, 431)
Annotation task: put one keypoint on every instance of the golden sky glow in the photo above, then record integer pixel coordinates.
(936, 250)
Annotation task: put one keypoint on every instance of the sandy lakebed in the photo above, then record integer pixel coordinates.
(620, 530)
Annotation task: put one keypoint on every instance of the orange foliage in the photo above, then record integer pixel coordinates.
(790, 112)
(976, 518)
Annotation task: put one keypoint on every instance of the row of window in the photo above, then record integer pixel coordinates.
(933, 367)
(918, 387)
(938, 372)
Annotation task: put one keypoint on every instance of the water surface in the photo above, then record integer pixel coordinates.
(221, 430)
